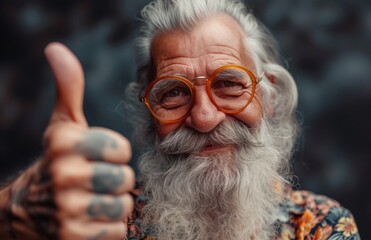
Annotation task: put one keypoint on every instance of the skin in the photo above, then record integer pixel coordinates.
(214, 42)
(79, 188)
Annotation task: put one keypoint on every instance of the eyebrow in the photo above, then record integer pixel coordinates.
(173, 73)
(230, 73)
(179, 75)
(225, 73)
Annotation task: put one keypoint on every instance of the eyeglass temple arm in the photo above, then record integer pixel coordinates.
(258, 80)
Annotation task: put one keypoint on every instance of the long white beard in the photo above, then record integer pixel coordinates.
(225, 196)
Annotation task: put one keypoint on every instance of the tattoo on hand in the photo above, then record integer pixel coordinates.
(18, 196)
(94, 144)
(100, 207)
(34, 202)
(107, 178)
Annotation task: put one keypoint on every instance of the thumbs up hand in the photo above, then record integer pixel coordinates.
(79, 188)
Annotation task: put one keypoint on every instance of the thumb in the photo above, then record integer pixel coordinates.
(69, 79)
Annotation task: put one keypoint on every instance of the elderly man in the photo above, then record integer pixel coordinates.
(218, 133)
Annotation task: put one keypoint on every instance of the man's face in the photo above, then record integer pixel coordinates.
(214, 42)
(211, 175)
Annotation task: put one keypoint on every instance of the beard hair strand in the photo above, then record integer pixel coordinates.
(223, 196)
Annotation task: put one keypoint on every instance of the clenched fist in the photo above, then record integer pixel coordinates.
(79, 188)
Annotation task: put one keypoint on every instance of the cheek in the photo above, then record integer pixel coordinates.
(163, 129)
(251, 115)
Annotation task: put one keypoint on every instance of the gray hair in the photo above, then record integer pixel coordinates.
(279, 96)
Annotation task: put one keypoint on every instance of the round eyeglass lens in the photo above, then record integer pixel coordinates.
(231, 89)
(170, 99)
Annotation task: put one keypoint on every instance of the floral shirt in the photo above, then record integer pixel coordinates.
(306, 216)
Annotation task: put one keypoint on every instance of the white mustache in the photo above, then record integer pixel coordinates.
(188, 141)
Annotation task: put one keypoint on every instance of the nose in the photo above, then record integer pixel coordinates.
(204, 115)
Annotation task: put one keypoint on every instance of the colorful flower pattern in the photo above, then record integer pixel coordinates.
(316, 217)
(311, 217)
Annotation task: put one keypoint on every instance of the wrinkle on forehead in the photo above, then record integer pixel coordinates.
(212, 39)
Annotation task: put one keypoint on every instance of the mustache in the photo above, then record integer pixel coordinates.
(189, 141)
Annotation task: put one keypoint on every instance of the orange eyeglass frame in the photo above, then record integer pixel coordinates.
(190, 84)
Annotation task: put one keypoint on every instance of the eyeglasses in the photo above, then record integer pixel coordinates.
(230, 88)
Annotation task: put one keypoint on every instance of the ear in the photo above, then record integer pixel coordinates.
(271, 78)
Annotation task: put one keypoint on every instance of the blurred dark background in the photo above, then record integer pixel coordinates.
(325, 45)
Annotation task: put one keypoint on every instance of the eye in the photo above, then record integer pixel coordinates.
(175, 97)
(225, 84)
(172, 93)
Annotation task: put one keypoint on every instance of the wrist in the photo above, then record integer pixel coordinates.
(15, 221)
(4, 213)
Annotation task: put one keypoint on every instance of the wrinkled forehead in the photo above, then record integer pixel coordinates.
(218, 33)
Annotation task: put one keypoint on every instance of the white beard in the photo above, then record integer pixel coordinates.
(226, 196)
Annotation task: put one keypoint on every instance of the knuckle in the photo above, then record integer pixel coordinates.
(130, 179)
(116, 145)
(64, 172)
(126, 147)
(128, 204)
(59, 175)
(125, 143)
(58, 140)
(68, 230)
(69, 205)
(92, 230)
